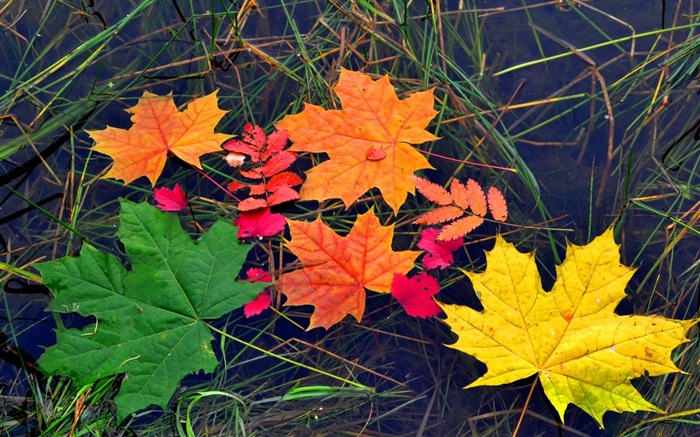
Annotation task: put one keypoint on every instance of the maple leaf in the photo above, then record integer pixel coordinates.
(150, 320)
(415, 294)
(160, 128)
(259, 223)
(438, 253)
(582, 352)
(368, 141)
(170, 199)
(336, 270)
(462, 199)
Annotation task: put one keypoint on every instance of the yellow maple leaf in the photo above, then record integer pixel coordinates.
(368, 141)
(160, 128)
(582, 352)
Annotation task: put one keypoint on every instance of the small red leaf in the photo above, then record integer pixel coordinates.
(282, 194)
(438, 253)
(285, 178)
(416, 294)
(251, 204)
(277, 163)
(256, 274)
(259, 223)
(258, 305)
(432, 191)
(497, 204)
(234, 186)
(170, 199)
(257, 189)
(276, 142)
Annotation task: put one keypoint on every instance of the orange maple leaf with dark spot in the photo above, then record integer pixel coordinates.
(336, 269)
(368, 141)
(159, 128)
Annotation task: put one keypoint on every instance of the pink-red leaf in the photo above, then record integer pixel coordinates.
(263, 300)
(416, 294)
(170, 200)
(258, 305)
(432, 191)
(259, 223)
(286, 178)
(438, 253)
(477, 198)
(460, 228)
(252, 204)
(276, 142)
(234, 186)
(497, 204)
(282, 194)
(439, 215)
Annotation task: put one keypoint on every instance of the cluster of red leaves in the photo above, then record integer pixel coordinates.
(272, 185)
(464, 206)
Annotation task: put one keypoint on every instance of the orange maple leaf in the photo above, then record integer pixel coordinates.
(160, 128)
(368, 141)
(336, 270)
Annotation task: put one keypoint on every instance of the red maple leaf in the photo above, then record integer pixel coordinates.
(415, 294)
(263, 300)
(259, 223)
(438, 253)
(170, 199)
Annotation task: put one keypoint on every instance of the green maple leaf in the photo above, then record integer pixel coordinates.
(149, 319)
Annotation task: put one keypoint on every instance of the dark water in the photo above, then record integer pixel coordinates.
(98, 95)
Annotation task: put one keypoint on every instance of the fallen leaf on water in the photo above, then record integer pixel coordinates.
(582, 352)
(368, 141)
(159, 128)
(336, 270)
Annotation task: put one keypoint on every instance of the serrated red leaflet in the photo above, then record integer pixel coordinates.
(286, 178)
(276, 142)
(477, 198)
(282, 193)
(439, 215)
(438, 253)
(259, 223)
(257, 189)
(234, 186)
(241, 148)
(460, 228)
(432, 191)
(415, 294)
(460, 195)
(251, 204)
(497, 204)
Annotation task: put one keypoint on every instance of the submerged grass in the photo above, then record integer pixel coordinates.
(530, 111)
